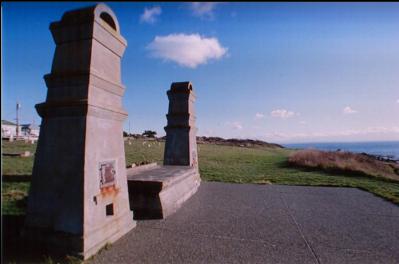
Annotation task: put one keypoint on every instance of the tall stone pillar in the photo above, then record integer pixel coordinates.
(78, 200)
(181, 141)
(159, 191)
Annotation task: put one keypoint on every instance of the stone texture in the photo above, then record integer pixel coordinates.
(78, 199)
(181, 142)
(160, 191)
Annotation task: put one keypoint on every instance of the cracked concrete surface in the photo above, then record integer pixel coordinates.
(247, 223)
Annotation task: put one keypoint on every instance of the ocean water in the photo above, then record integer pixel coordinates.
(383, 148)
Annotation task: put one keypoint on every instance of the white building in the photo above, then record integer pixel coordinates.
(9, 129)
(30, 130)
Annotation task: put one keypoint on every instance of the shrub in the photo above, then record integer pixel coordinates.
(149, 133)
(345, 162)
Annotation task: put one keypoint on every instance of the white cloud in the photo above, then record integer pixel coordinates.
(150, 14)
(348, 110)
(186, 50)
(282, 113)
(208, 133)
(380, 129)
(203, 9)
(235, 125)
(397, 101)
(368, 131)
(303, 122)
(259, 116)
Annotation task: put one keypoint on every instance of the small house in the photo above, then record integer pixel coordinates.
(30, 130)
(9, 129)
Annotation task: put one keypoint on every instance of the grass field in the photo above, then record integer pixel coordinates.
(217, 163)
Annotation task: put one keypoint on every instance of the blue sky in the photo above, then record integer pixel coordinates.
(280, 72)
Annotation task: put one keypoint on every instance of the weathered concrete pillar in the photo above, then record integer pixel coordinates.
(78, 200)
(159, 191)
(181, 141)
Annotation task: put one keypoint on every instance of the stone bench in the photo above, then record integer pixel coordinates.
(156, 192)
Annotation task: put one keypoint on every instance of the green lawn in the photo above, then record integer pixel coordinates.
(17, 165)
(244, 165)
(217, 163)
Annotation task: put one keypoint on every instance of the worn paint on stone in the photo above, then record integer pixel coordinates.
(107, 174)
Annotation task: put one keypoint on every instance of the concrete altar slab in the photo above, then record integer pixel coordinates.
(159, 191)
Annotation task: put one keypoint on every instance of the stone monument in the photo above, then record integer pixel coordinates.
(181, 133)
(78, 199)
(159, 191)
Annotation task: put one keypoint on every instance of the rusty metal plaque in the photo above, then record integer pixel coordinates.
(107, 173)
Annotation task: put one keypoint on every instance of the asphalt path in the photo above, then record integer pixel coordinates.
(248, 223)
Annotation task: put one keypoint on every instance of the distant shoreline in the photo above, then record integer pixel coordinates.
(382, 150)
(343, 142)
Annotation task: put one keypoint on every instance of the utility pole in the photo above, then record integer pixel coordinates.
(18, 107)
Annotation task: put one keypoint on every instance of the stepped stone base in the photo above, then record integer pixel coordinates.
(158, 191)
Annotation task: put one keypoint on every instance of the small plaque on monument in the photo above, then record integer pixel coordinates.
(107, 173)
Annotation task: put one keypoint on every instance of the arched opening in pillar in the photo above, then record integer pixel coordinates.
(108, 19)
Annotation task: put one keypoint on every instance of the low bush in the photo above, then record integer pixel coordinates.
(345, 162)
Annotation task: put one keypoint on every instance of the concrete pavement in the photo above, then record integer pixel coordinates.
(247, 223)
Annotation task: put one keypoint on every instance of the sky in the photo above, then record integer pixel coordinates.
(279, 72)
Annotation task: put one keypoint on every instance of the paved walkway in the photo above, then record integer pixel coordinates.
(245, 223)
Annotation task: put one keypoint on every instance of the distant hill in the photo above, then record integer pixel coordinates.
(236, 142)
(249, 143)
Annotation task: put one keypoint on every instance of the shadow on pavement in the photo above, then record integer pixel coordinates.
(16, 249)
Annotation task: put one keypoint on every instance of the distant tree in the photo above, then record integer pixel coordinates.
(125, 134)
(149, 133)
